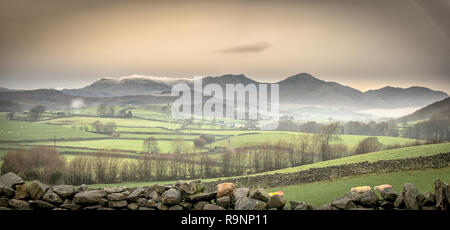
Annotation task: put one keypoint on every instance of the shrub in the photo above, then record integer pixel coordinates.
(36, 163)
(367, 145)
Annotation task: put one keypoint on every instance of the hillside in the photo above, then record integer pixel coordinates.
(428, 111)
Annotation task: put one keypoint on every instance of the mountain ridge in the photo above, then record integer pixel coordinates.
(301, 89)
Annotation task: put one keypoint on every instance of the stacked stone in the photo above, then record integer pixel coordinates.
(15, 195)
(388, 199)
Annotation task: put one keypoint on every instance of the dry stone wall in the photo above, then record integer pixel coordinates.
(331, 172)
(15, 195)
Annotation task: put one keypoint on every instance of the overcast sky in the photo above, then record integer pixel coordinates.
(364, 44)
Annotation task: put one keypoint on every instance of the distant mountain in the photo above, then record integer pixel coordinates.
(55, 99)
(437, 108)
(307, 90)
(126, 86)
(390, 97)
(298, 90)
(3, 89)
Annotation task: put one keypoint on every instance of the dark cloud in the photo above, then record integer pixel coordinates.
(249, 48)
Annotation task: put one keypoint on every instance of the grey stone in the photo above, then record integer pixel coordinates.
(199, 205)
(240, 192)
(151, 204)
(161, 206)
(389, 194)
(202, 197)
(36, 189)
(160, 188)
(40, 204)
(103, 202)
(298, 205)
(212, 207)
(276, 201)
(71, 206)
(386, 205)
(409, 196)
(19, 204)
(115, 189)
(175, 207)
(399, 203)
(259, 194)
(155, 196)
(429, 208)
(224, 201)
(133, 206)
(4, 202)
(52, 197)
(369, 199)
(141, 202)
(343, 203)
(89, 197)
(21, 192)
(171, 197)
(186, 205)
(145, 209)
(93, 207)
(10, 180)
(186, 188)
(116, 196)
(426, 199)
(65, 191)
(246, 203)
(82, 188)
(6, 191)
(117, 203)
(440, 195)
(136, 194)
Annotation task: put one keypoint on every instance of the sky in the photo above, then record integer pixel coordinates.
(364, 44)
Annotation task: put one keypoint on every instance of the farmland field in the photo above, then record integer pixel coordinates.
(21, 130)
(135, 145)
(119, 122)
(275, 136)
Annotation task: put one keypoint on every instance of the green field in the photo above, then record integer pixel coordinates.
(21, 130)
(323, 192)
(109, 144)
(275, 136)
(87, 121)
(401, 153)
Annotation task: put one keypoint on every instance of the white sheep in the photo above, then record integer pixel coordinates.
(382, 187)
(361, 189)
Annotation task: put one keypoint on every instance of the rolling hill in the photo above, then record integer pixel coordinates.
(440, 107)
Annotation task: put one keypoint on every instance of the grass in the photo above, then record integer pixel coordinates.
(275, 136)
(20, 130)
(87, 121)
(136, 145)
(323, 192)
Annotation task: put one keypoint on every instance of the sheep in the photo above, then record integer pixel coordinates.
(361, 189)
(382, 187)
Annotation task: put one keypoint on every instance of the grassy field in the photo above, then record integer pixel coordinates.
(21, 130)
(320, 193)
(401, 153)
(275, 136)
(136, 145)
(87, 121)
